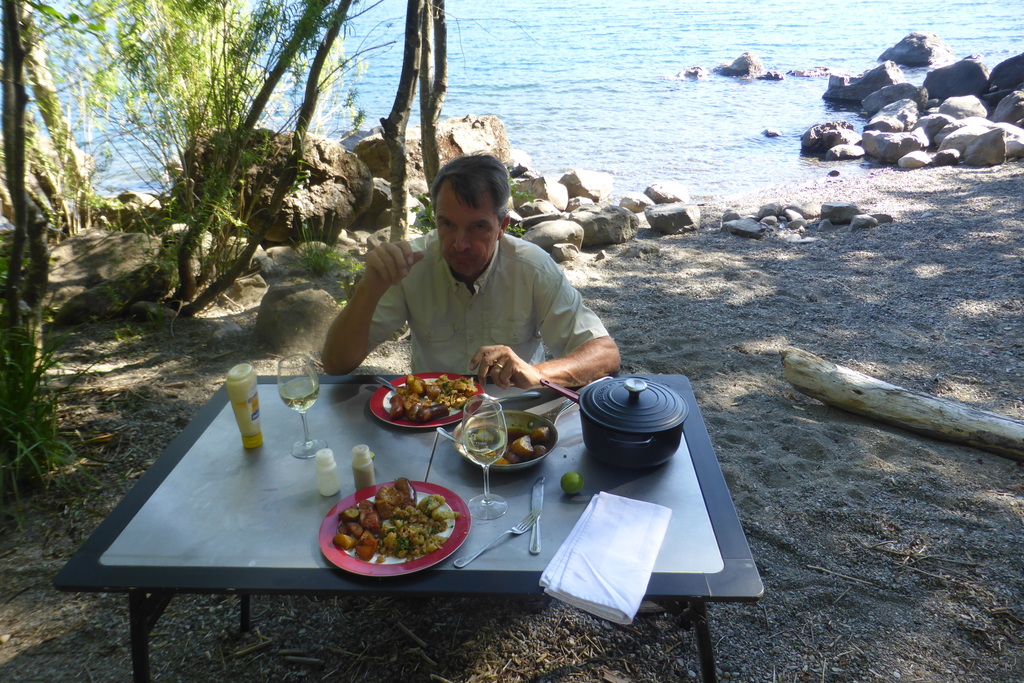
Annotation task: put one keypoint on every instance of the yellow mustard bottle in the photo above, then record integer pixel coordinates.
(243, 392)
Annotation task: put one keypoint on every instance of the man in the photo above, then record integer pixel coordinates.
(476, 299)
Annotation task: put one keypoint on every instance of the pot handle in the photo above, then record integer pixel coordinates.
(631, 444)
(568, 393)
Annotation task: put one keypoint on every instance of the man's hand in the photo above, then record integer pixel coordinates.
(589, 361)
(348, 336)
(504, 367)
(390, 263)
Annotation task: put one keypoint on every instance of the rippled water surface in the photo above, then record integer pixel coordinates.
(590, 84)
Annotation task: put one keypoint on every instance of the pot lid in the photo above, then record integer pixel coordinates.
(633, 404)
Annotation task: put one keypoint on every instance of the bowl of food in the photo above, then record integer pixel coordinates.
(530, 438)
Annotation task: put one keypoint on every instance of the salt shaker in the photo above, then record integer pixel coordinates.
(362, 466)
(327, 472)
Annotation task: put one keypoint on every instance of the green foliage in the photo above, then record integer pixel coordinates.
(32, 452)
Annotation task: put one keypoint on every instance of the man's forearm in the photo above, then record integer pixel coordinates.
(348, 338)
(591, 360)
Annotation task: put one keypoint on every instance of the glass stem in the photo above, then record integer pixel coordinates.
(305, 429)
(487, 485)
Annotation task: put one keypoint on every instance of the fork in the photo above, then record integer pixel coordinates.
(520, 528)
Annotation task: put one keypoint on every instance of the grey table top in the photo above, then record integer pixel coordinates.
(210, 512)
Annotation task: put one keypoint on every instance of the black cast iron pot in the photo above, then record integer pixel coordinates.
(629, 421)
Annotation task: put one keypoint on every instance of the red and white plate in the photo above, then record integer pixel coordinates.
(380, 404)
(391, 566)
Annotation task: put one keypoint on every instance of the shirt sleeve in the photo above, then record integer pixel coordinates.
(565, 321)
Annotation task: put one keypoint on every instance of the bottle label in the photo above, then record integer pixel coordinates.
(254, 404)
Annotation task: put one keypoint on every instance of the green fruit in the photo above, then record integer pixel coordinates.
(572, 483)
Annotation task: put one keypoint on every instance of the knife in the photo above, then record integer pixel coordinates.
(536, 504)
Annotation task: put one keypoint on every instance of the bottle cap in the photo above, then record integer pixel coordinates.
(324, 457)
(239, 371)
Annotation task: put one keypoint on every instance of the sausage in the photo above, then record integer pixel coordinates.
(434, 412)
(404, 488)
(412, 409)
(369, 518)
(397, 408)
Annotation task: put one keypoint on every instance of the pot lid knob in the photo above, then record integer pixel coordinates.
(634, 385)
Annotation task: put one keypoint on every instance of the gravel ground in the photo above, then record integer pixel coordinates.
(885, 555)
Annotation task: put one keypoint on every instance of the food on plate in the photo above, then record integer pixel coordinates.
(399, 527)
(524, 445)
(423, 400)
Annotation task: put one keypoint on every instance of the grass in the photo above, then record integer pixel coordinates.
(32, 451)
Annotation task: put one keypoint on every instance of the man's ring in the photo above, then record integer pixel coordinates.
(497, 366)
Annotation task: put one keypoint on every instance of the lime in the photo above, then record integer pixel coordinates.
(572, 483)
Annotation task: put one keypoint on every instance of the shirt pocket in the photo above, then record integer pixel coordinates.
(513, 330)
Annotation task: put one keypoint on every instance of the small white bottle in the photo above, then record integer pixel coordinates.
(327, 472)
(243, 392)
(362, 466)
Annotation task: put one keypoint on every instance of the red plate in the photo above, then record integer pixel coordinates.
(391, 566)
(380, 403)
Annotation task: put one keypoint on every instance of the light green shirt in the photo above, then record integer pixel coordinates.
(523, 300)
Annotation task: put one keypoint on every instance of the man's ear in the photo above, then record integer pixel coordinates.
(504, 225)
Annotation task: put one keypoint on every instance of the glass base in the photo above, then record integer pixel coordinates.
(488, 508)
(307, 449)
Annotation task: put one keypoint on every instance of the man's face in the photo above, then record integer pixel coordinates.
(468, 236)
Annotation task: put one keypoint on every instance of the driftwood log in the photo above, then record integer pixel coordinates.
(918, 412)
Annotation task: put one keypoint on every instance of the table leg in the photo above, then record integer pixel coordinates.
(695, 614)
(144, 609)
(245, 604)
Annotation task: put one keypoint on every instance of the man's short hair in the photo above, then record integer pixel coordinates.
(471, 176)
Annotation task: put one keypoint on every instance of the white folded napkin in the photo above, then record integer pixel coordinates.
(604, 565)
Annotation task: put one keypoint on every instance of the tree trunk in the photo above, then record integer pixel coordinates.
(433, 82)
(15, 99)
(71, 180)
(398, 120)
(912, 410)
(291, 171)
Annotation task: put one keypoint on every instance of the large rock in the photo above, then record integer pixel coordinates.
(747, 65)
(895, 117)
(889, 147)
(1014, 136)
(593, 185)
(455, 137)
(839, 212)
(855, 89)
(920, 48)
(606, 224)
(931, 124)
(337, 186)
(635, 201)
(918, 159)
(987, 150)
(822, 137)
(1008, 74)
(294, 318)
(976, 123)
(544, 188)
(149, 282)
(672, 219)
(963, 107)
(966, 77)
(547, 234)
(1010, 109)
(844, 152)
(667, 192)
(93, 257)
(961, 138)
(892, 93)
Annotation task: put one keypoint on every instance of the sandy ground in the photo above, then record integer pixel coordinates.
(885, 555)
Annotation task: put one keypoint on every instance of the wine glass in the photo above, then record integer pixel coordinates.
(484, 437)
(299, 386)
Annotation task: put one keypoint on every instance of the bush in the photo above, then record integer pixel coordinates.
(31, 448)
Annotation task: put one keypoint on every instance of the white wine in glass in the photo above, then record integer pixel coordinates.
(299, 386)
(484, 436)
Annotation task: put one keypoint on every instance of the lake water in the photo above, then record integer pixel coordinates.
(589, 84)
